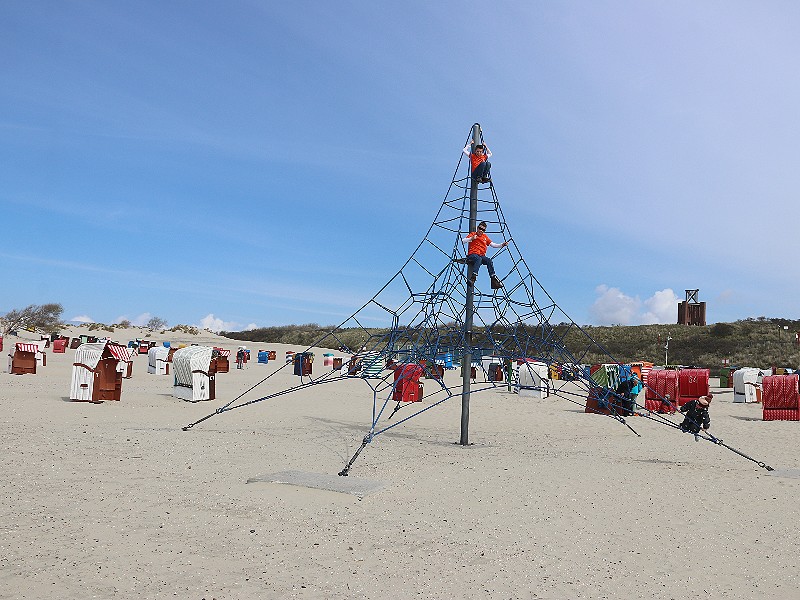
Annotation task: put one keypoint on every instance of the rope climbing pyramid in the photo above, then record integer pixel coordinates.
(436, 312)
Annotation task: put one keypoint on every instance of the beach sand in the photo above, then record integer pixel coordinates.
(114, 500)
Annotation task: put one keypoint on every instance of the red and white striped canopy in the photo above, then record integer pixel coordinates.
(223, 352)
(23, 347)
(122, 353)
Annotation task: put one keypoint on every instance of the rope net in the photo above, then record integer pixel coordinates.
(418, 318)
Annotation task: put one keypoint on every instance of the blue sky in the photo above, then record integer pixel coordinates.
(247, 163)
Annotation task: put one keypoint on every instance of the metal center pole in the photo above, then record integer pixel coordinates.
(466, 361)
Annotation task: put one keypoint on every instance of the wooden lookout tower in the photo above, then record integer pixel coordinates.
(690, 311)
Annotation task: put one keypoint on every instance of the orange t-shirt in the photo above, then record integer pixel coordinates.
(479, 243)
(476, 159)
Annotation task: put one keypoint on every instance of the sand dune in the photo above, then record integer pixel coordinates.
(114, 500)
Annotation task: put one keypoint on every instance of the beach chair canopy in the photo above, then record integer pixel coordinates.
(189, 359)
(744, 384)
(25, 347)
(157, 353)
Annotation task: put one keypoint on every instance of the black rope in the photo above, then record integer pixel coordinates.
(396, 408)
(346, 471)
(622, 420)
(704, 435)
(228, 406)
(701, 435)
(719, 442)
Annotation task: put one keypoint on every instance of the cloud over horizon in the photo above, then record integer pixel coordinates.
(216, 325)
(614, 307)
(82, 319)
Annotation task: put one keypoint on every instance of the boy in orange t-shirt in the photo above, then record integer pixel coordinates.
(479, 162)
(476, 253)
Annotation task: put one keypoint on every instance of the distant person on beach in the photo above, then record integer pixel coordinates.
(476, 254)
(696, 412)
(479, 162)
(240, 359)
(636, 387)
(667, 405)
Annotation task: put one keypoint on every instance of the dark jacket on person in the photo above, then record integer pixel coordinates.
(625, 388)
(696, 416)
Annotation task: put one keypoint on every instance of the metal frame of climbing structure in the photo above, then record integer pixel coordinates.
(431, 307)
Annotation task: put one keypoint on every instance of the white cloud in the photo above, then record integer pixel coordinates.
(82, 319)
(216, 325)
(662, 307)
(141, 320)
(250, 327)
(614, 307)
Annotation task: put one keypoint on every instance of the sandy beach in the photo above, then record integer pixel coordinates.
(114, 500)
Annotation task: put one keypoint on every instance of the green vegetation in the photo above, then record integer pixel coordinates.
(188, 329)
(758, 342)
(45, 318)
(304, 335)
(156, 323)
